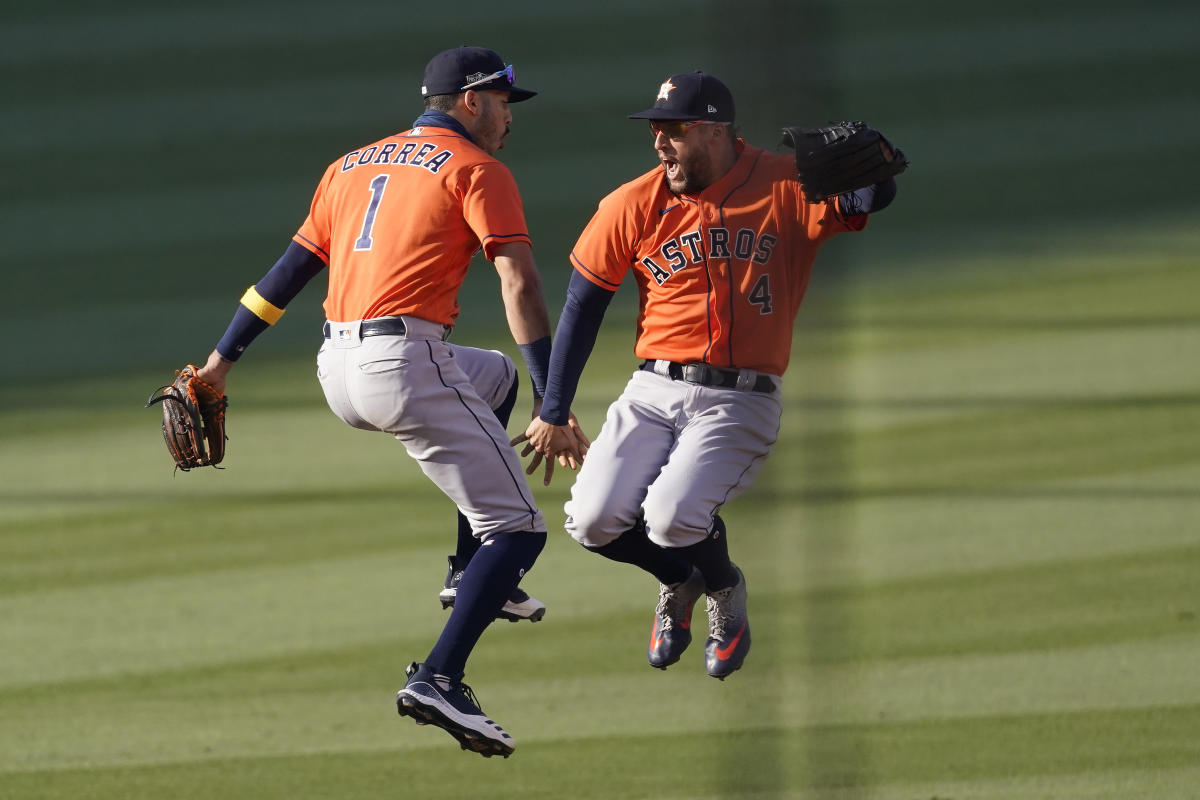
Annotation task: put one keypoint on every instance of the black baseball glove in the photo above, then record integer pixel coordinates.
(193, 420)
(841, 157)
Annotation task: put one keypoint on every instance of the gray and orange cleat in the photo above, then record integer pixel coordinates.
(517, 607)
(433, 699)
(672, 629)
(728, 629)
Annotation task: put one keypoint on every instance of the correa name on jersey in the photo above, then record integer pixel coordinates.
(746, 245)
(410, 154)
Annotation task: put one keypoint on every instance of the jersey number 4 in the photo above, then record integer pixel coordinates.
(364, 240)
(760, 295)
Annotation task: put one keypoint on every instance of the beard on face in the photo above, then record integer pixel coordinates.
(693, 175)
(490, 129)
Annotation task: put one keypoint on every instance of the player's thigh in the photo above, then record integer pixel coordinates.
(418, 392)
(625, 458)
(490, 372)
(718, 454)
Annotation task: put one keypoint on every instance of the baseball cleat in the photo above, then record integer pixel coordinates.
(728, 629)
(433, 699)
(519, 605)
(671, 631)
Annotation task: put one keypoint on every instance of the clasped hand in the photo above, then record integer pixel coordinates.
(566, 444)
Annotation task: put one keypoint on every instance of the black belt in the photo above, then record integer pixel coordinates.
(708, 375)
(392, 326)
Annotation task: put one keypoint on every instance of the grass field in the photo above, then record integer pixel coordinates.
(973, 559)
(973, 564)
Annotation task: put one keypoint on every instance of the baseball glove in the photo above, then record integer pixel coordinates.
(841, 157)
(193, 420)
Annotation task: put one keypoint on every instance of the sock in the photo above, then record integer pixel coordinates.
(634, 547)
(711, 557)
(486, 583)
(467, 544)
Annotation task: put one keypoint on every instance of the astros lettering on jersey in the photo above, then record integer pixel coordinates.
(450, 198)
(721, 274)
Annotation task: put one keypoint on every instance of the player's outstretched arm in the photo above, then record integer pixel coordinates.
(529, 321)
(521, 291)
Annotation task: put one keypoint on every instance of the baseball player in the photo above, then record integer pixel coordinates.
(397, 222)
(721, 243)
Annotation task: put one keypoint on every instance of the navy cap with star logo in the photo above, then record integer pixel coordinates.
(691, 95)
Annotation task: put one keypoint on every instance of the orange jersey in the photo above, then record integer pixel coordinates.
(398, 221)
(720, 275)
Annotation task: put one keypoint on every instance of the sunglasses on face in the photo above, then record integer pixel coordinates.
(673, 129)
(506, 73)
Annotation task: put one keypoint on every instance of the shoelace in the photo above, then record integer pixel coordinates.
(460, 687)
(446, 685)
(719, 615)
(670, 607)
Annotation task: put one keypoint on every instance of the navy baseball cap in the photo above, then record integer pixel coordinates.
(454, 71)
(691, 95)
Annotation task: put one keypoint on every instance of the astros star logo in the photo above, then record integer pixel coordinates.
(665, 90)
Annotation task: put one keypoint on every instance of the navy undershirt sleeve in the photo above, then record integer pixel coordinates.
(573, 342)
(294, 269)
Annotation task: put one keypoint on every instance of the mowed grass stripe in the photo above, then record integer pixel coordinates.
(1009, 749)
(127, 543)
(1058, 605)
(173, 620)
(559, 679)
(1024, 446)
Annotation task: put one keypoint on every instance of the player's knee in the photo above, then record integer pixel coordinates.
(591, 527)
(669, 525)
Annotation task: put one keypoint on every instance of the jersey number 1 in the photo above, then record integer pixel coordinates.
(364, 240)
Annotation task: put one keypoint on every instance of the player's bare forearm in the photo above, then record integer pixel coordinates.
(521, 291)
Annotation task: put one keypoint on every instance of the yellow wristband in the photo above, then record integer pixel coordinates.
(262, 308)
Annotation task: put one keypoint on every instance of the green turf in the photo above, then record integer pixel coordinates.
(973, 565)
(972, 557)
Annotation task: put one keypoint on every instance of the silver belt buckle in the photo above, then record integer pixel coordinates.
(697, 373)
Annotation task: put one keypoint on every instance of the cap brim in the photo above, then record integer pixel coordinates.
(661, 113)
(515, 93)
